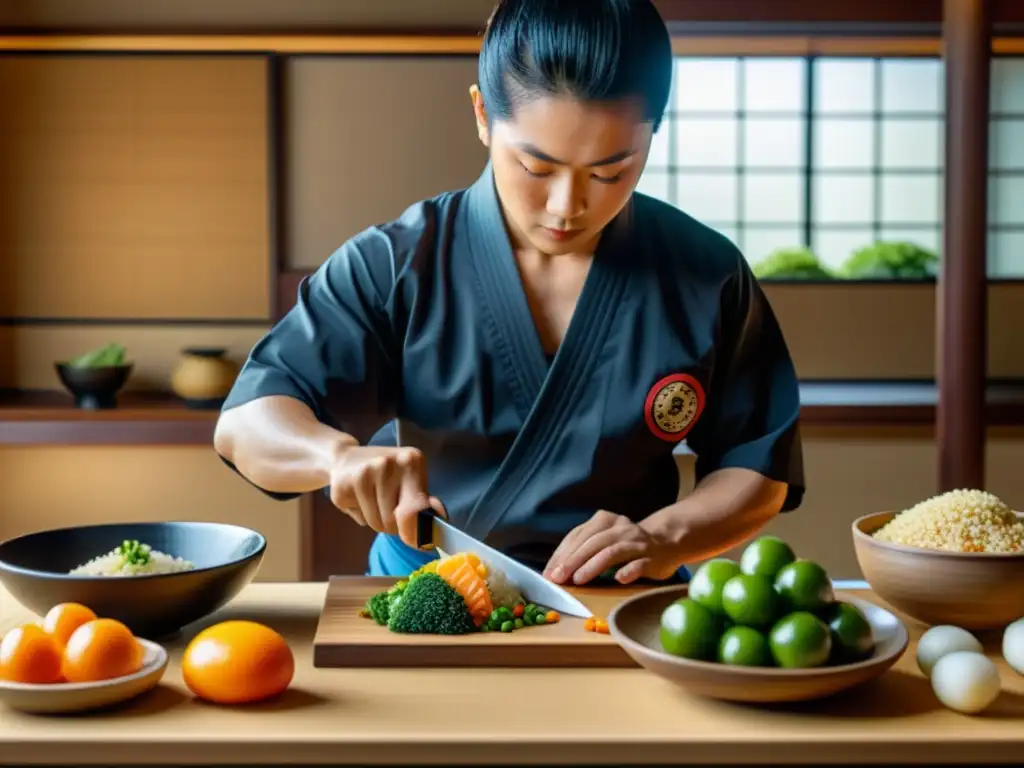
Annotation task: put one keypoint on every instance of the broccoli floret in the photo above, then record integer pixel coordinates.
(380, 605)
(377, 608)
(429, 606)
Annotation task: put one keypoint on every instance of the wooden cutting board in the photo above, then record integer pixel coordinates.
(346, 639)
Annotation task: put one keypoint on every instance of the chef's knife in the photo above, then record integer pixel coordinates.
(432, 530)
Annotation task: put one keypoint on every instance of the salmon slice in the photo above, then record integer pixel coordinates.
(462, 573)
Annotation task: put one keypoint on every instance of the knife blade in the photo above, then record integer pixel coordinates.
(434, 531)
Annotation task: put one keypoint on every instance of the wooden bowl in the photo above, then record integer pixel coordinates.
(979, 591)
(66, 698)
(635, 624)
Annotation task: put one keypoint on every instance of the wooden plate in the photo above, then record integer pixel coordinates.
(635, 625)
(63, 698)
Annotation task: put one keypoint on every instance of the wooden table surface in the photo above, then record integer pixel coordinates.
(493, 716)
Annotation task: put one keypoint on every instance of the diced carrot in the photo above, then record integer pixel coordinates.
(552, 617)
(518, 610)
(602, 627)
(590, 624)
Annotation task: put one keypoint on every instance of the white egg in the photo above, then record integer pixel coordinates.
(941, 640)
(1013, 646)
(966, 681)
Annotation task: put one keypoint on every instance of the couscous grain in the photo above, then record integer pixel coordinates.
(957, 521)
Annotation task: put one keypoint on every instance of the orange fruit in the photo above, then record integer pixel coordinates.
(237, 662)
(63, 619)
(101, 649)
(29, 655)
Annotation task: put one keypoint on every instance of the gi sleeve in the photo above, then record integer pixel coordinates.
(753, 408)
(336, 350)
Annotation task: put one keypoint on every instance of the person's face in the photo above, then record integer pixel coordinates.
(564, 169)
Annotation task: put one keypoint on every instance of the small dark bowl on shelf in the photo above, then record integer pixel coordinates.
(94, 388)
(35, 567)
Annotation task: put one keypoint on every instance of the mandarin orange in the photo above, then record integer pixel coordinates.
(237, 662)
(101, 649)
(62, 620)
(29, 655)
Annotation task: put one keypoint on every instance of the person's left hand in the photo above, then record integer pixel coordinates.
(606, 541)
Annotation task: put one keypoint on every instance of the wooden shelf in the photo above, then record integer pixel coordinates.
(140, 419)
(161, 419)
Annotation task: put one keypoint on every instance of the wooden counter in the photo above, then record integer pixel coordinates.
(493, 716)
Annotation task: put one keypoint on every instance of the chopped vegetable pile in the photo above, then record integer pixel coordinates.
(454, 595)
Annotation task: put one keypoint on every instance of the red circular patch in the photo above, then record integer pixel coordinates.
(673, 406)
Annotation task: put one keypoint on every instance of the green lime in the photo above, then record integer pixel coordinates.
(766, 556)
(690, 630)
(750, 600)
(804, 586)
(800, 640)
(744, 647)
(706, 585)
(852, 640)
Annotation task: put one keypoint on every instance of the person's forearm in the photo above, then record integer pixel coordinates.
(278, 444)
(724, 510)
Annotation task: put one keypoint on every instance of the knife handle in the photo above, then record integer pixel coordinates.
(425, 528)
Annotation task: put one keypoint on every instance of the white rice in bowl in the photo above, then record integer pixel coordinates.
(139, 560)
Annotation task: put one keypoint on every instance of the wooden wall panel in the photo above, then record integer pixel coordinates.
(367, 137)
(858, 332)
(133, 187)
(27, 353)
(885, 331)
(53, 487)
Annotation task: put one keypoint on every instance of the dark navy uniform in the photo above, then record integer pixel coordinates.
(418, 332)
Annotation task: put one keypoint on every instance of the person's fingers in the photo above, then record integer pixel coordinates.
(439, 507)
(587, 549)
(558, 568)
(365, 491)
(613, 554)
(387, 482)
(355, 514)
(633, 570)
(412, 498)
(554, 569)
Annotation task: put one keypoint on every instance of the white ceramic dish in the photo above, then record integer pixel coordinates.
(63, 698)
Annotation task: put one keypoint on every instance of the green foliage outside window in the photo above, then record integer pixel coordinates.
(878, 261)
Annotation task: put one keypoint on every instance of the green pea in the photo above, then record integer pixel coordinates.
(518, 623)
(540, 619)
(507, 626)
(528, 620)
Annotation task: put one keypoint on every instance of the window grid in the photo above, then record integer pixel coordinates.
(807, 172)
(807, 219)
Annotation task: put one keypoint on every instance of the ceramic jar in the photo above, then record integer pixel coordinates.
(204, 377)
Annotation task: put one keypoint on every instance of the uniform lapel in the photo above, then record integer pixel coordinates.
(506, 309)
(549, 397)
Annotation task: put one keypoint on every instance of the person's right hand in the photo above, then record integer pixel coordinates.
(383, 488)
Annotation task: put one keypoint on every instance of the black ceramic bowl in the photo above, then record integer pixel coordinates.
(34, 569)
(94, 388)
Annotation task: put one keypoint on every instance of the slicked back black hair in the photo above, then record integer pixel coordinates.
(592, 50)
